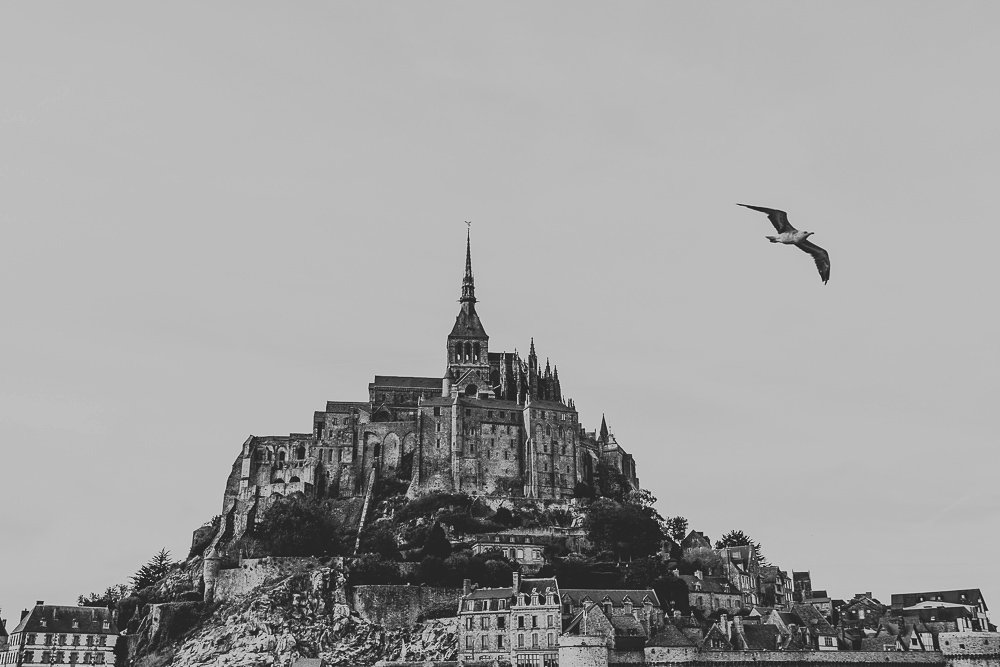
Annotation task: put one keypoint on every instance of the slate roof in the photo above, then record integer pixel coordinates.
(540, 584)
(346, 406)
(551, 405)
(407, 382)
(761, 637)
(813, 619)
(468, 324)
(670, 636)
(578, 595)
(490, 594)
(58, 619)
(973, 596)
(710, 585)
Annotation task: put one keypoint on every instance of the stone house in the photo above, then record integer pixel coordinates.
(696, 540)
(712, 593)
(56, 634)
(776, 587)
(624, 608)
(821, 601)
(519, 624)
(969, 598)
(802, 585)
(803, 628)
(526, 548)
(861, 612)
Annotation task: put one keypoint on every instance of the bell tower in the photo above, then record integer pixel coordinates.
(468, 342)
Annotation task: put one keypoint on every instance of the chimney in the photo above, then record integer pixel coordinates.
(39, 603)
(724, 624)
(466, 586)
(516, 581)
(24, 612)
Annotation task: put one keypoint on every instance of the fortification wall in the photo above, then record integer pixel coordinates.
(253, 572)
(403, 606)
(665, 657)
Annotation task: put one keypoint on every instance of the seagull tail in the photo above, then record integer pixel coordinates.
(772, 239)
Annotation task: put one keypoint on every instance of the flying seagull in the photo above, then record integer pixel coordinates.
(791, 236)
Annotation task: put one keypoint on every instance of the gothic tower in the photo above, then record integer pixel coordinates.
(468, 343)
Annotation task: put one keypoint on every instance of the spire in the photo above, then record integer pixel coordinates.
(468, 283)
(604, 429)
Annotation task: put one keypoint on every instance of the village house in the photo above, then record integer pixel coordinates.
(776, 587)
(862, 612)
(970, 599)
(712, 593)
(525, 548)
(625, 609)
(801, 585)
(740, 566)
(519, 624)
(56, 634)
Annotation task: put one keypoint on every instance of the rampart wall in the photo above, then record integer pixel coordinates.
(252, 572)
(403, 606)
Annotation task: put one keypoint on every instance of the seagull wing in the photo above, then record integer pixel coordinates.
(778, 218)
(820, 256)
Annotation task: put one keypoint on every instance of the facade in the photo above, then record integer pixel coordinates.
(520, 624)
(62, 635)
(775, 587)
(740, 566)
(493, 423)
(969, 598)
(712, 593)
(525, 548)
(631, 613)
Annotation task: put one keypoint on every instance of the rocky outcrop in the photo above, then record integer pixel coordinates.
(304, 615)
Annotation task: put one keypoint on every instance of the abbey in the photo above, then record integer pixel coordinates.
(494, 424)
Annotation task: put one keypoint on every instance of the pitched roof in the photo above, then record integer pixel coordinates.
(617, 596)
(468, 324)
(52, 618)
(710, 584)
(972, 596)
(541, 584)
(878, 642)
(670, 636)
(406, 382)
(761, 637)
(490, 594)
(346, 406)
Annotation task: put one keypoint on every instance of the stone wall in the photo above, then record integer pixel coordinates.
(253, 572)
(403, 606)
(663, 657)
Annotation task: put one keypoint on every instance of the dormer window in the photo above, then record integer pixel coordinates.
(76, 624)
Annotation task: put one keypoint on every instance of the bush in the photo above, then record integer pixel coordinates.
(380, 540)
(429, 505)
(374, 569)
(298, 526)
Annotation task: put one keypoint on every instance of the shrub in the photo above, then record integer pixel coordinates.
(374, 569)
(298, 526)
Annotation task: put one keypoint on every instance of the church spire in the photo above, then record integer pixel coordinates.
(468, 283)
(604, 429)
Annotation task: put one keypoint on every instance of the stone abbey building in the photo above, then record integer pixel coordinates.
(494, 424)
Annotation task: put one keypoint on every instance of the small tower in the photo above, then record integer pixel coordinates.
(468, 342)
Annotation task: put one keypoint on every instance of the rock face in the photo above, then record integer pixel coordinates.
(304, 615)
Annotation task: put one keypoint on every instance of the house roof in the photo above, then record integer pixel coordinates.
(761, 637)
(60, 619)
(813, 619)
(710, 585)
(670, 636)
(541, 584)
(617, 596)
(625, 624)
(490, 594)
(972, 596)
(341, 407)
(407, 382)
(878, 642)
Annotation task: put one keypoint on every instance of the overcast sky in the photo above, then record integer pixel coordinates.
(216, 217)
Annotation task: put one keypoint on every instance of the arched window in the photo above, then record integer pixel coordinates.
(281, 456)
(278, 480)
(468, 351)
(292, 480)
(475, 351)
(471, 390)
(300, 453)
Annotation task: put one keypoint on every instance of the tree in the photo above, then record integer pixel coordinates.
(676, 527)
(153, 571)
(628, 531)
(673, 593)
(437, 543)
(374, 569)
(611, 482)
(737, 538)
(700, 558)
(109, 598)
(299, 526)
(379, 539)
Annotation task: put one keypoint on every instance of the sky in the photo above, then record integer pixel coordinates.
(216, 217)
